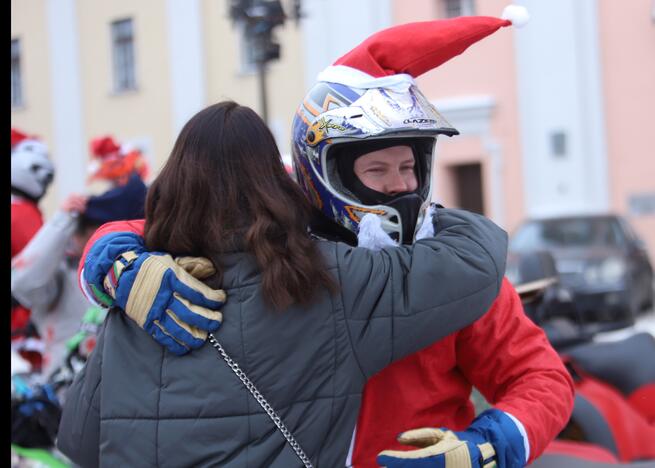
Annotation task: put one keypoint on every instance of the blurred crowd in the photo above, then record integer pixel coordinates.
(53, 325)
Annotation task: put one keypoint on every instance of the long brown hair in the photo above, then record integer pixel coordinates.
(224, 188)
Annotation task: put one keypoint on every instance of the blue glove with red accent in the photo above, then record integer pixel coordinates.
(491, 441)
(164, 296)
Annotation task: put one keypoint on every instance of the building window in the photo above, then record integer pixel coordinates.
(558, 143)
(454, 8)
(122, 39)
(16, 78)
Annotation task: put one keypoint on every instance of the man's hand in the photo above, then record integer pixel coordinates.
(438, 448)
(492, 440)
(166, 298)
(74, 203)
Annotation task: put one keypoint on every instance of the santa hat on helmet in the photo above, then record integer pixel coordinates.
(401, 53)
(17, 136)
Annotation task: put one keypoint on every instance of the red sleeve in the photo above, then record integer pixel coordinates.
(509, 359)
(26, 220)
(136, 226)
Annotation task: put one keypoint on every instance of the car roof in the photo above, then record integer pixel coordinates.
(574, 217)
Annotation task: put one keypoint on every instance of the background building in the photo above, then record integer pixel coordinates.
(554, 117)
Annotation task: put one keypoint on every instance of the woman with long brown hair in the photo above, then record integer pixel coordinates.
(309, 320)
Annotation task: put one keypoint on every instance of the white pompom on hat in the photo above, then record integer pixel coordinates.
(517, 14)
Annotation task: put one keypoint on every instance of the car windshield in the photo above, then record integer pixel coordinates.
(572, 232)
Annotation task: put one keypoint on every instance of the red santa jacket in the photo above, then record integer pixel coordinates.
(26, 220)
(503, 354)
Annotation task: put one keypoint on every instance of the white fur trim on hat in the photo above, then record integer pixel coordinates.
(517, 14)
(354, 78)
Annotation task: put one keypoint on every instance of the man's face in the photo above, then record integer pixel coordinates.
(389, 170)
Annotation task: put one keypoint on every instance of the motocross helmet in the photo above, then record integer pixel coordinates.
(337, 123)
(368, 100)
(31, 169)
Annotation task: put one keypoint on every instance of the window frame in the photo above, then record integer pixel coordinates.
(17, 94)
(124, 76)
(465, 8)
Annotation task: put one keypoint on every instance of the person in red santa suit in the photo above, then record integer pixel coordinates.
(115, 163)
(354, 137)
(364, 139)
(31, 174)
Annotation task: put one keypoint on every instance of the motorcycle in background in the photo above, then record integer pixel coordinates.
(613, 419)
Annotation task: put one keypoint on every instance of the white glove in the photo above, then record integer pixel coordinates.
(373, 237)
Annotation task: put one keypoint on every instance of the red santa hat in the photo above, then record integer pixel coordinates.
(18, 136)
(402, 53)
(104, 146)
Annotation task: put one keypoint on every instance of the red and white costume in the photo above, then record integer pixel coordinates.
(504, 355)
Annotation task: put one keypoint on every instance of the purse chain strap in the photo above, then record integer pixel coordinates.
(262, 402)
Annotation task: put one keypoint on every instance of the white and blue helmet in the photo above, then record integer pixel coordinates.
(31, 169)
(336, 120)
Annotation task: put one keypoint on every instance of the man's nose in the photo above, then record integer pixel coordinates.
(396, 183)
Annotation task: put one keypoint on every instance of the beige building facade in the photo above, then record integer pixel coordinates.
(554, 117)
(186, 54)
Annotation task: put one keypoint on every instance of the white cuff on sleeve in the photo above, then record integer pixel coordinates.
(85, 290)
(526, 441)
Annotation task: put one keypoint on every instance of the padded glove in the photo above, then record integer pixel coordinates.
(166, 298)
(492, 440)
(438, 448)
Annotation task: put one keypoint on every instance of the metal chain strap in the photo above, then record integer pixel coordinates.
(262, 402)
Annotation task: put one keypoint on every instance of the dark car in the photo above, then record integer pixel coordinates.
(599, 258)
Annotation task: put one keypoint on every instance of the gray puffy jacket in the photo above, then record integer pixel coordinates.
(135, 404)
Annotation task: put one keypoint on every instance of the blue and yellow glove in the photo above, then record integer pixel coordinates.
(164, 296)
(491, 441)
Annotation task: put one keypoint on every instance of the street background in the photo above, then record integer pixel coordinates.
(555, 118)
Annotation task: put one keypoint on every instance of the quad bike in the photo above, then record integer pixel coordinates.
(613, 419)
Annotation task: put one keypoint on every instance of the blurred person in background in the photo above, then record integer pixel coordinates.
(114, 163)
(31, 175)
(43, 274)
(309, 320)
(363, 143)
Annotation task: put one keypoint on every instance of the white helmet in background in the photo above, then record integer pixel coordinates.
(31, 169)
